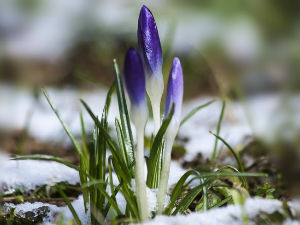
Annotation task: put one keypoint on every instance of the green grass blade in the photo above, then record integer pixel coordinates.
(235, 170)
(82, 176)
(230, 174)
(130, 200)
(73, 140)
(124, 116)
(126, 190)
(177, 190)
(83, 134)
(179, 187)
(85, 167)
(112, 145)
(205, 196)
(111, 201)
(224, 201)
(194, 111)
(47, 158)
(98, 157)
(240, 165)
(213, 156)
(83, 179)
(108, 98)
(113, 196)
(154, 160)
(121, 141)
(92, 183)
(189, 198)
(70, 206)
(111, 183)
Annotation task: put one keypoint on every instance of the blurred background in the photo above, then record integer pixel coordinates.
(233, 49)
(226, 47)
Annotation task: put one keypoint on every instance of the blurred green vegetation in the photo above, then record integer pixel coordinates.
(208, 67)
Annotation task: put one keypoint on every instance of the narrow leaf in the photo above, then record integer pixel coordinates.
(124, 116)
(194, 111)
(70, 206)
(112, 145)
(156, 152)
(240, 166)
(47, 158)
(218, 131)
(188, 199)
(73, 140)
(179, 187)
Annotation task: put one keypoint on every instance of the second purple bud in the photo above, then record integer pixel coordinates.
(134, 78)
(175, 90)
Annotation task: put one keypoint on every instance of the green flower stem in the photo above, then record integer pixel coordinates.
(155, 89)
(163, 184)
(156, 115)
(139, 116)
(139, 177)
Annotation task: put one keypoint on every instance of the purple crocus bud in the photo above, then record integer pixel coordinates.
(149, 43)
(174, 95)
(151, 54)
(175, 90)
(134, 77)
(135, 85)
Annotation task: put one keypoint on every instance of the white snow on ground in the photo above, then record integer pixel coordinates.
(176, 171)
(271, 113)
(28, 174)
(18, 106)
(264, 116)
(230, 215)
(234, 127)
(55, 211)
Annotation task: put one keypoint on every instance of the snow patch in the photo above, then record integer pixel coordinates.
(230, 215)
(28, 174)
(54, 212)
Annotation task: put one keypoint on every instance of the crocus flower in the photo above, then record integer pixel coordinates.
(175, 90)
(135, 85)
(151, 54)
(149, 43)
(134, 77)
(174, 96)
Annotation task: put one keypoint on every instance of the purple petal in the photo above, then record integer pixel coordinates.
(175, 89)
(134, 77)
(149, 43)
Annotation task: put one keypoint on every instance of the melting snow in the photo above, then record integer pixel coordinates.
(54, 212)
(238, 122)
(230, 215)
(28, 174)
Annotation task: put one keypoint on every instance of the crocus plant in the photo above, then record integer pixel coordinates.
(142, 74)
(174, 96)
(151, 55)
(135, 86)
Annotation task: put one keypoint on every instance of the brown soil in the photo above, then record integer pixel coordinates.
(19, 142)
